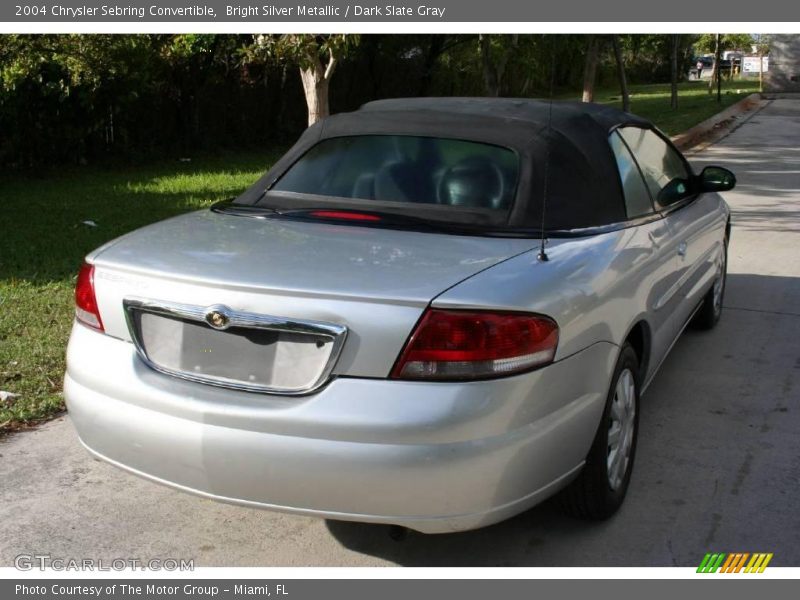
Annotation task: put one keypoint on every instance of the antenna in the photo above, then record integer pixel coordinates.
(542, 256)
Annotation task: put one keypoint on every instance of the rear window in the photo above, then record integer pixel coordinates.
(407, 169)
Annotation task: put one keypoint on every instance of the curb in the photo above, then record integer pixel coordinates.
(781, 95)
(713, 128)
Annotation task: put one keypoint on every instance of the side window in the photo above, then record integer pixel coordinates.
(663, 168)
(637, 198)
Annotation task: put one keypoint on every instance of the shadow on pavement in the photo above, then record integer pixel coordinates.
(518, 541)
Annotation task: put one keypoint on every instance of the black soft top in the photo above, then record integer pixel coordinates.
(583, 188)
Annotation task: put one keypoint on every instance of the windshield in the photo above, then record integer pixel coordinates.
(407, 169)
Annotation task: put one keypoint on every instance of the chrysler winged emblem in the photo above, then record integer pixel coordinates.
(217, 317)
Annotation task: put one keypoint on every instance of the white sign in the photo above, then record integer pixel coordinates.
(750, 64)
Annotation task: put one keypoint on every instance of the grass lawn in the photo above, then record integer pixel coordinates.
(694, 102)
(43, 238)
(43, 241)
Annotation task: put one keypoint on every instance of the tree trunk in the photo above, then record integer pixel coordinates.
(673, 101)
(494, 70)
(490, 76)
(316, 80)
(715, 68)
(278, 119)
(713, 78)
(623, 82)
(435, 49)
(315, 87)
(590, 67)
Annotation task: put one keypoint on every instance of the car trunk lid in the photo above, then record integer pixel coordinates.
(373, 282)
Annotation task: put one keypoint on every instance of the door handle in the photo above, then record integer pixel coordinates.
(682, 249)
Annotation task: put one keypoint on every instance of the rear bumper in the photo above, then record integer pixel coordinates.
(433, 457)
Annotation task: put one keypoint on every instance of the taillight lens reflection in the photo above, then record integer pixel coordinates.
(86, 310)
(459, 345)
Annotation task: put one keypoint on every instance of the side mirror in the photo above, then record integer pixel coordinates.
(716, 179)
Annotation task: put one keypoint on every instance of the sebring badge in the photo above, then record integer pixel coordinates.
(217, 317)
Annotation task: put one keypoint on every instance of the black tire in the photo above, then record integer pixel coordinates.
(710, 310)
(591, 495)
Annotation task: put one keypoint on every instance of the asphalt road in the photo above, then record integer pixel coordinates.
(718, 466)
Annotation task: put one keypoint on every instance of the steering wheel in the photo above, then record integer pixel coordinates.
(473, 182)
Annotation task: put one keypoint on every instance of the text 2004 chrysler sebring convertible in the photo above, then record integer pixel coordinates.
(372, 332)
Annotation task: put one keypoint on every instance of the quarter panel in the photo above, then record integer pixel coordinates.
(595, 287)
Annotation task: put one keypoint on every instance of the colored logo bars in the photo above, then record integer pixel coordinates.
(735, 562)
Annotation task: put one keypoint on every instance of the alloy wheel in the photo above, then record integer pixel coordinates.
(719, 285)
(622, 423)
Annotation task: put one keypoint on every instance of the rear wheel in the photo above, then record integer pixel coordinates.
(711, 309)
(600, 488)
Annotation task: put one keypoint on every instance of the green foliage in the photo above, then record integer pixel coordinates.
(67, 61)
(706, 43)
(647, 58)
(187, 45)
(304, 50)
(76, 99)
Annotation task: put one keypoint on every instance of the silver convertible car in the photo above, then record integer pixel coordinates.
(432, 313)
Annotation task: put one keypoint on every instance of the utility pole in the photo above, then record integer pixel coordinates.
(673, 67)
(719, 75)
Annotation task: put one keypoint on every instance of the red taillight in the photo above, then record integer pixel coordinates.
(457, 345)
(343, 215)
(86, 310)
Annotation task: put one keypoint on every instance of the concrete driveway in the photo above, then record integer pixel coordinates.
(718, 466)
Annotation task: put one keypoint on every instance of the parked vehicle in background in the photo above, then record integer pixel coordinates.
(705, 62)
(433, 313)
